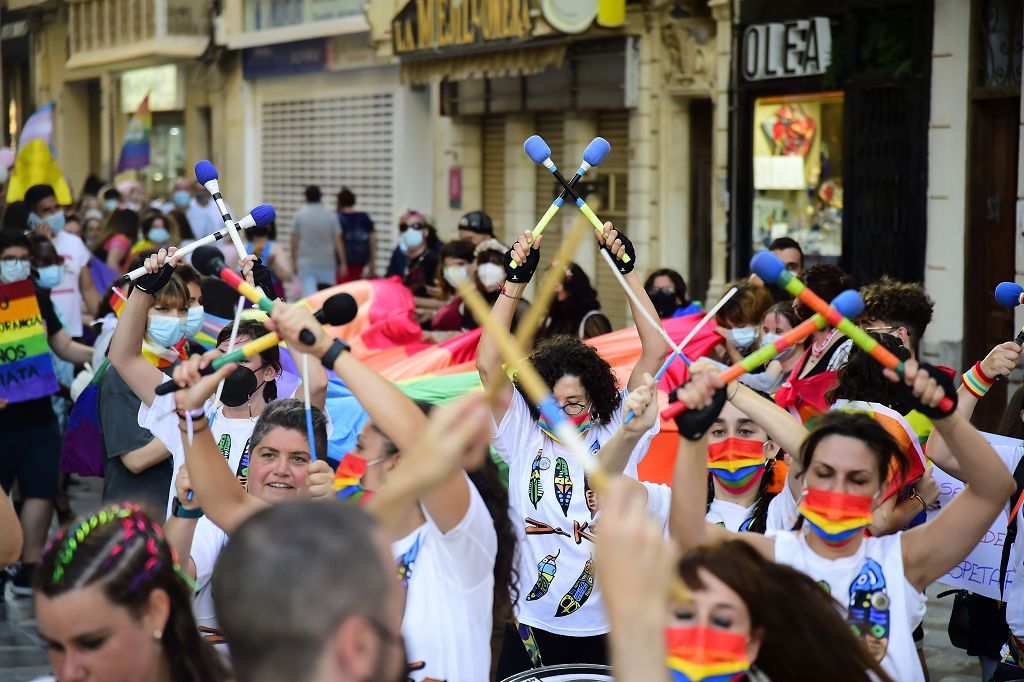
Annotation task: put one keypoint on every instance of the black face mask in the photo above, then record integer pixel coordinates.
(239, 387)
(664, 302)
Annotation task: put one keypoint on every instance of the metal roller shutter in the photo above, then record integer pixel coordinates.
(614, 127)
(551, 128)
(330, 142)
(492, 144)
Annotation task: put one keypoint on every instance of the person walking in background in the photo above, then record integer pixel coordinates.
(315, 228)
(203, 215)
(359, 236)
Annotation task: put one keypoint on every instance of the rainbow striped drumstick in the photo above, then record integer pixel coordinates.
(539, 152)
(849, 303)
(244, 351)
(769, 268)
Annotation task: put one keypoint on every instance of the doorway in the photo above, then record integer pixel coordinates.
(700, 200)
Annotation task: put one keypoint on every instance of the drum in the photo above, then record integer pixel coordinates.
(582, 672)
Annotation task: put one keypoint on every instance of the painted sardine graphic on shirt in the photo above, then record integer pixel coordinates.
(563, 485)
(536, 486)
(580, 592)
(869, 608)
(545, 574)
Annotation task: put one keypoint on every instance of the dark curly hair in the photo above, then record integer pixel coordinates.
(566, 355)
(827, 281)
(861, 377)
(902, 304)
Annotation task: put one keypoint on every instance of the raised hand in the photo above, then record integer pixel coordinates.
(195, 387)
(643, 402)
(321, 480)
(289, 320)
(618, 245)
(525, 253)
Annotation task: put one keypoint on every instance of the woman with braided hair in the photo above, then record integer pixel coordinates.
(112, 604)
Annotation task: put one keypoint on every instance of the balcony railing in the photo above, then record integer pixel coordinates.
(106, 31)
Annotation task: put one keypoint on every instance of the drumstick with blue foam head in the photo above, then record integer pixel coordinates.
(206, 174)
(593, 155)
(539, 152)
(1011, 295)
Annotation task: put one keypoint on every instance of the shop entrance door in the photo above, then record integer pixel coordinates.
(700, 200)
(992, 183)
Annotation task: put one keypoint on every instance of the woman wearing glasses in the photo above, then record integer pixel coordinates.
(559, 610)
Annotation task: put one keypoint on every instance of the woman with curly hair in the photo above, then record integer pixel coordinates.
(560, 613)
(113, 604)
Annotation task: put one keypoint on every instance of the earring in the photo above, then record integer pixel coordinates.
(158, 635)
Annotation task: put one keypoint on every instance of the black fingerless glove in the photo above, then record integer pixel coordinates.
(524, 272)
(624, 267)
(263, 278)
(692, 424)
(152, 283)
(943, 380)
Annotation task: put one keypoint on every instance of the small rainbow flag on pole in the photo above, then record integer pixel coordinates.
(26, 367)
(135, 151)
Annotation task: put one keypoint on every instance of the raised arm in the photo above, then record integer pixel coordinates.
(999, 362)
(933, 548)
(223, 500)
(394, 413)
(653, 347)
(787, 432)
(90, 294)
(526, 254)
(687, 523)
(643, 402)
(126, 345)
(180, 530)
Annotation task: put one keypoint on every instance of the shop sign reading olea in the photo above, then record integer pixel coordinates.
(438, 24)
(788, 49)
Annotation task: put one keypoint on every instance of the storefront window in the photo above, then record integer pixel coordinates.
(798, 173)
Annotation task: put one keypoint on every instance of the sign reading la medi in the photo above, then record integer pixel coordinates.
(438, 24)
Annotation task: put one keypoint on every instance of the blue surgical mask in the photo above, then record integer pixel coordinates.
(743, 337)
(768, 339)
(194, 321)
(49, 277)
(182, 198)
(15, 271)
(165, 330)
(412, 240)
(54, 220)
(159, 235)
(109, 205)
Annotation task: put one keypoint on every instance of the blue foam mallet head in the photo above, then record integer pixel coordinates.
(263, 214)
(849, 303)
(767, 266)
(537, 149)
(596, 151)
(205, 172)
(1008, 293)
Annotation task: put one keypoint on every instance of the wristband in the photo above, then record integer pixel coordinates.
(507, 295)
(183, 513)
(337, 348)
(920, 500)
(976, 382)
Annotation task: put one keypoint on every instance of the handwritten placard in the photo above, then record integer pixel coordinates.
(26, 369)
(979, 570)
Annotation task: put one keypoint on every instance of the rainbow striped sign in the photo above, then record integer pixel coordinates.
(26, 369)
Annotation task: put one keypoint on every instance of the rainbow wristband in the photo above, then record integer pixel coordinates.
(976, 382)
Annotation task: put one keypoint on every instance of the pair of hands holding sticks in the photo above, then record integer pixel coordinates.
(525, 253)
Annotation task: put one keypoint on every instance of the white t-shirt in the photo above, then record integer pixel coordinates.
(783, 511)
(204, 220)
(659, 503)
(872, 592)
(554, 527)
(207, 543)
(450, 590)
(67, 296)
(729, 514)
(1011, 451)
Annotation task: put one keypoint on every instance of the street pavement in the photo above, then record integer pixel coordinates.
(23, 658)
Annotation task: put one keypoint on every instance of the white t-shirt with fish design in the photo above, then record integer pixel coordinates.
(548, 499)
(873, 594)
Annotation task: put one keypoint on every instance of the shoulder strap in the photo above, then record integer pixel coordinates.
(1011, 525)
(583, 322)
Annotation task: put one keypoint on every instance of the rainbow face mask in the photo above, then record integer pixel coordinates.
(736, 464)
(836, 517)
(580, 421)
(347, 484)
(700, 654)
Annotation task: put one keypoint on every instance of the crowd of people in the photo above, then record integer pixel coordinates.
(471, 543)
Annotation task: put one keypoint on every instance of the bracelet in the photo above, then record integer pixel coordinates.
(507, 295)
(337, 348)
(736, 389)
(920, 500)
(183, 513)
(975, 381)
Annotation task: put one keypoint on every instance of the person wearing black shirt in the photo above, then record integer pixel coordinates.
(359, 236)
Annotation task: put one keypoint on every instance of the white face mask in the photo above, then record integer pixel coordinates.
(490, 274)
(771, 338)
(455, 274)
(743, 337)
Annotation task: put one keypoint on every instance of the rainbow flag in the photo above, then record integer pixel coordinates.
(135, 150)
(900, 430)
(82, 452)
(26, 367)
(36, 162)
(701, 654)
